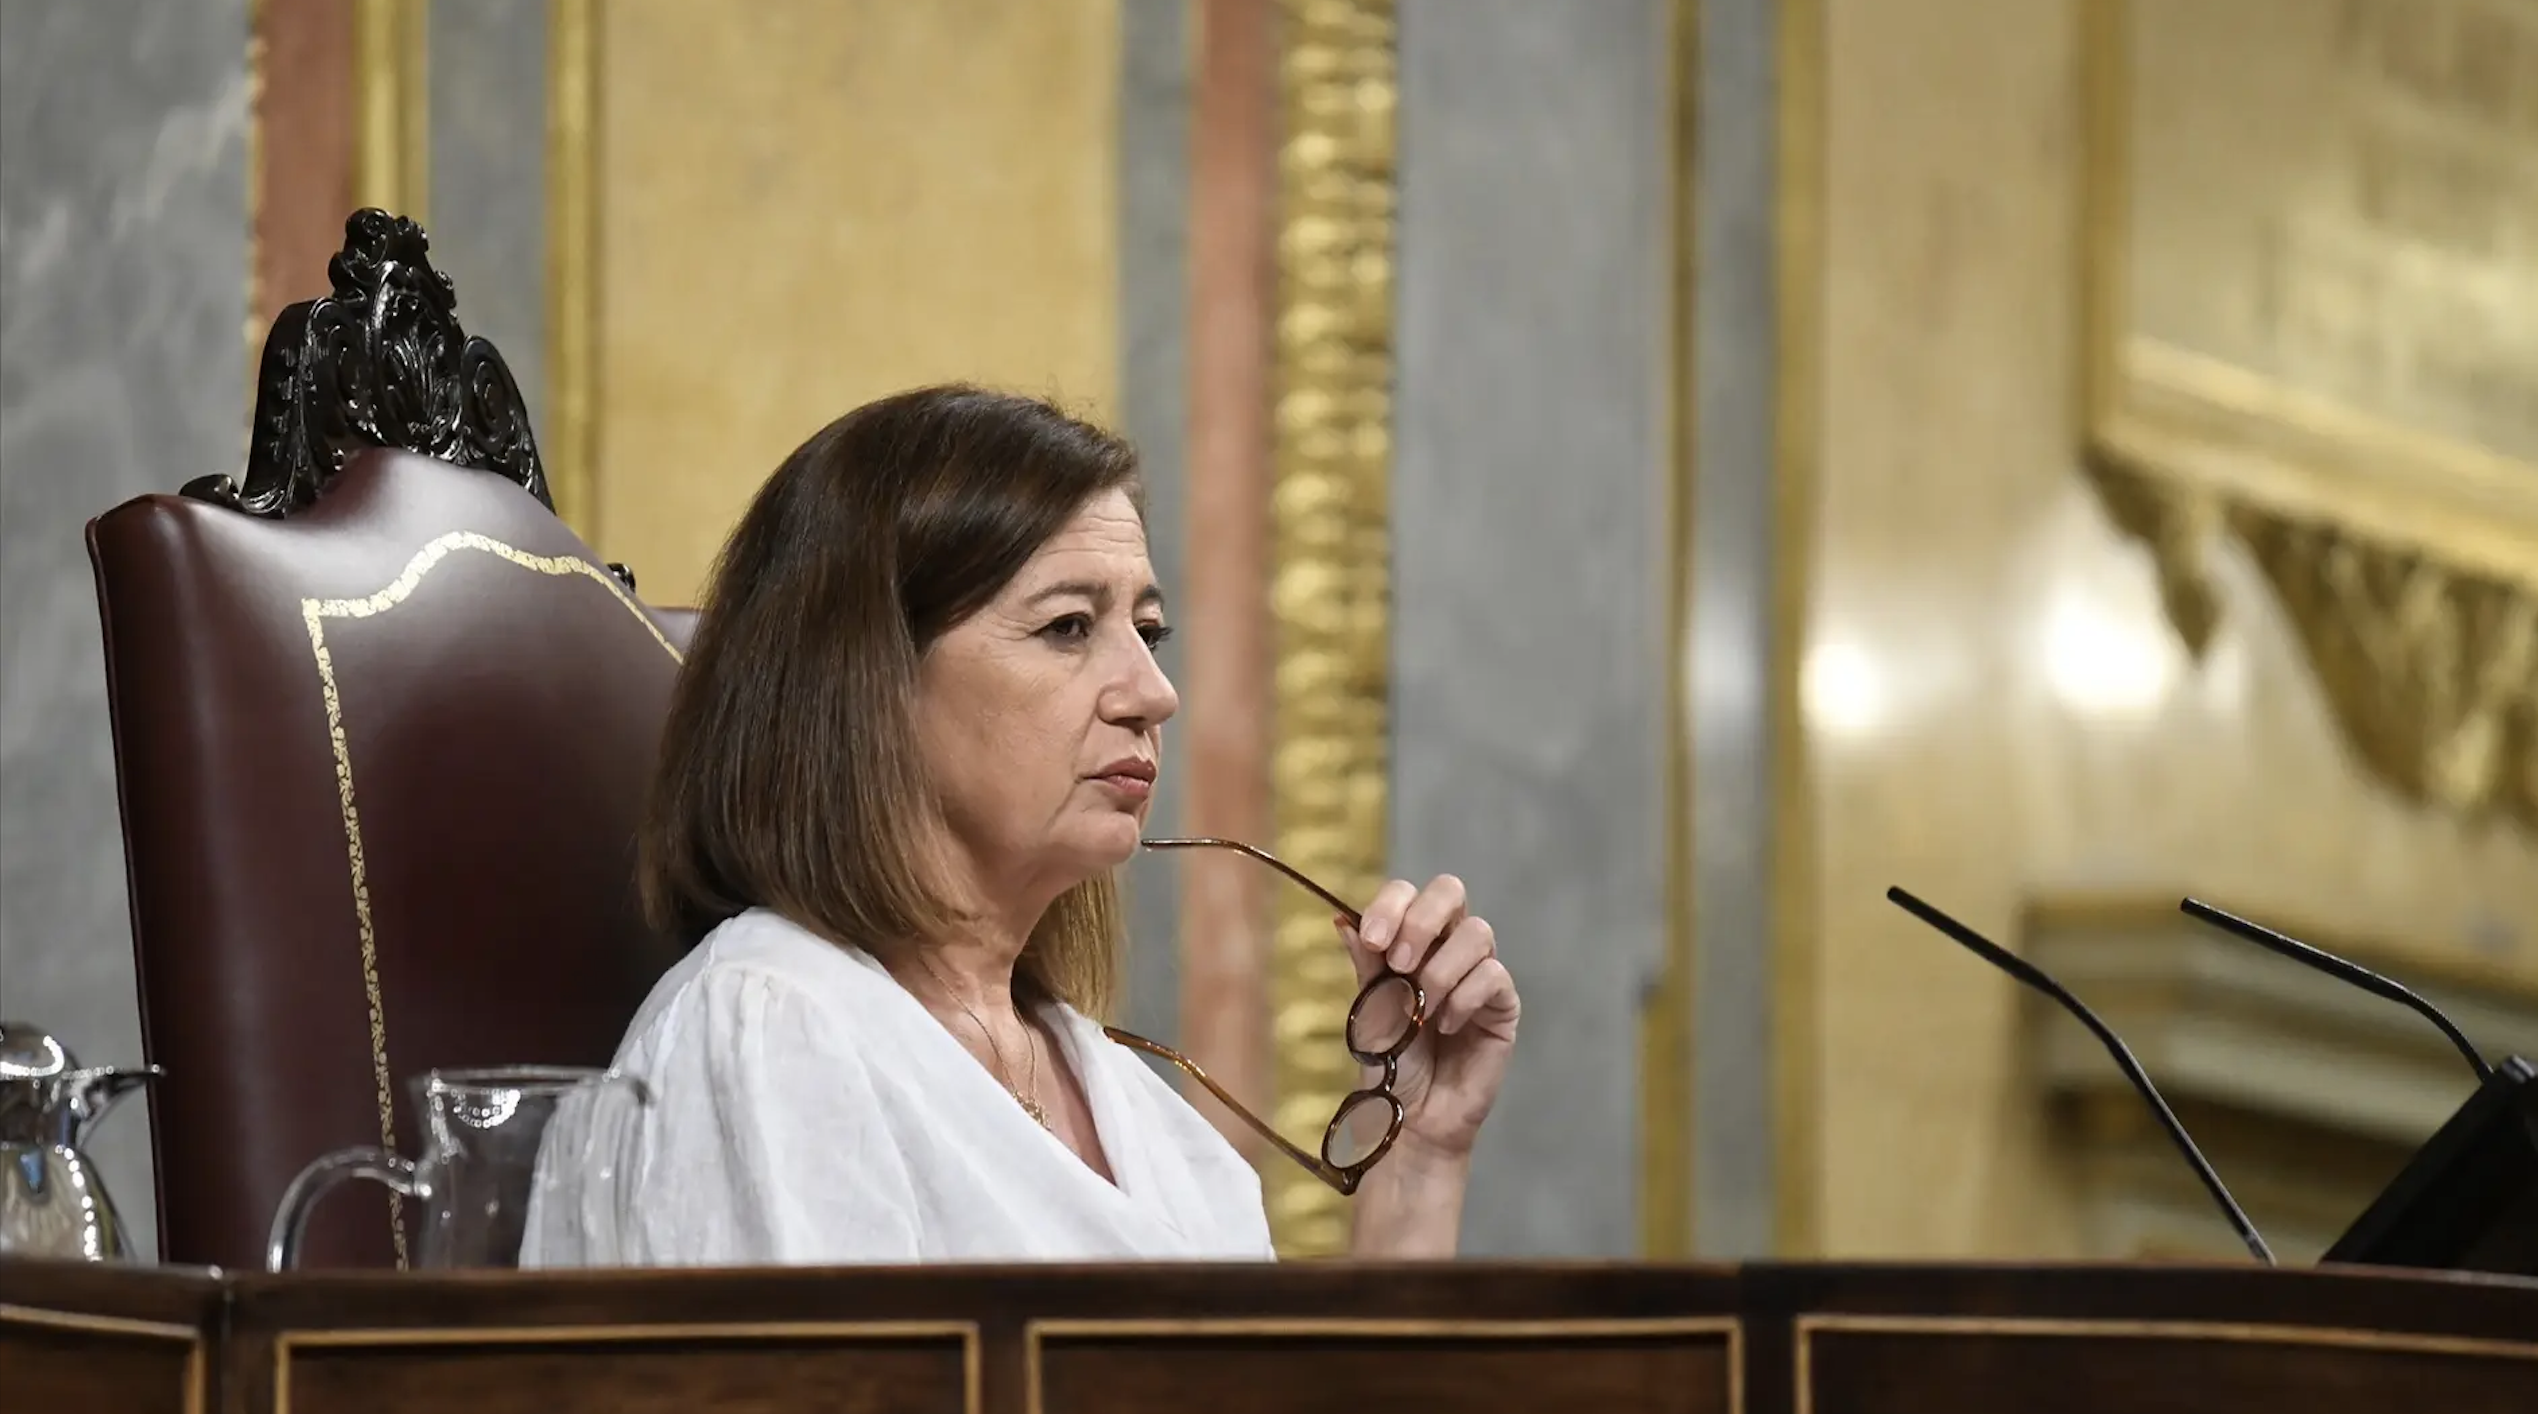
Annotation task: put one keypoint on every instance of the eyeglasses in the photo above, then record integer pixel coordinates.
(1387, 1016)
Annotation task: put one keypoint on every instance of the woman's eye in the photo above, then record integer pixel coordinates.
(1154, 634)
(1071, 628)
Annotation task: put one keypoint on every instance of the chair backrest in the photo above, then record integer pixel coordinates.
(382, 728)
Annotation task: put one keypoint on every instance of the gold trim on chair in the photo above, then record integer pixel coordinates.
(314, 613)
(1331, 528)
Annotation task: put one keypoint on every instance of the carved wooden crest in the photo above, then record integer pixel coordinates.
(379, 362)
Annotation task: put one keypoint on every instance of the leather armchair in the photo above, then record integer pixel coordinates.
(382, 729)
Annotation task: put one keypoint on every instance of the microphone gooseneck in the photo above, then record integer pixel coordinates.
(2034, 977)
(2342, 969)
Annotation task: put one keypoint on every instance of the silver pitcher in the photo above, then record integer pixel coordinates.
(51, 1201)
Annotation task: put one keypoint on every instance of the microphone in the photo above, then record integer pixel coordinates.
(2342, 969)
(2468, 1199)
(2034, 976)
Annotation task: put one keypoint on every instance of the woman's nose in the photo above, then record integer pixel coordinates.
(1143, 696)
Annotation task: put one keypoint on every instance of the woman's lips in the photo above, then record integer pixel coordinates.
(1130, 779)
(1128, 787)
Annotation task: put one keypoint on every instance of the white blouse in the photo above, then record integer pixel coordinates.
(805, 1108)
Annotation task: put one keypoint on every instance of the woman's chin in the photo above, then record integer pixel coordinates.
(1105, 844)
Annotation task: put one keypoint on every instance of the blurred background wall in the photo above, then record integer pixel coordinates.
(1683, 465)
(123, 294)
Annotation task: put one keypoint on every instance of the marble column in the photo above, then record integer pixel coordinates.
(1529, 501)
(486, 85)
(123, 296)
(1154, 318)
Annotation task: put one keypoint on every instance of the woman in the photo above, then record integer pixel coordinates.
(914, 739)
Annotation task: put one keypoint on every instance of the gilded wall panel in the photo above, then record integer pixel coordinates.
(1996, 707)
(800, 205)
(2314, 324)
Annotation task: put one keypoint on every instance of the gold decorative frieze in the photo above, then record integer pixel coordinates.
(1330, 518)
(2312, 314)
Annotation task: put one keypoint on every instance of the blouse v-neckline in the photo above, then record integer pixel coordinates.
(1063, 1033)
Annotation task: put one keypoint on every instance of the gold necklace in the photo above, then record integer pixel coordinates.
(1004, 1072)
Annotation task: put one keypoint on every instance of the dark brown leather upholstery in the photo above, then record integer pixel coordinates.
(678, 623)
(404, 731)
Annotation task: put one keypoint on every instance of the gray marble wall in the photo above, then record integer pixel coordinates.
(123, 301)
(1154, 318)
(486, 75)
(1530, 574)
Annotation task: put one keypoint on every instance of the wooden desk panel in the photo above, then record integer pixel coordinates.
(1465, 1337)
(64, 1364)
(1684, 1366)
(870, 1369)
(1891, 1365)
(76, 1337)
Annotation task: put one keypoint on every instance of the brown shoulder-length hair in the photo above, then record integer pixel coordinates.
(789, 776)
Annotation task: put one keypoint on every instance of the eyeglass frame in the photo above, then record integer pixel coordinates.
(1343, 1178)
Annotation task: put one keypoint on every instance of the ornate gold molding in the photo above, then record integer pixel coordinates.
(2433, 671)
(1330, 526)
(572, 261)
(2405, 558)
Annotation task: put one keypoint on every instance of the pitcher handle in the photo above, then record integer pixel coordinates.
(290, 1217)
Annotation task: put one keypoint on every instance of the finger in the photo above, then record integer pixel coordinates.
(1367, 960)
(1438, 907)
(1380, 922)
(1487, 994)
(1471, 943)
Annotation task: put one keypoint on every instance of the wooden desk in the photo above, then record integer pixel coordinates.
(1469, 1338)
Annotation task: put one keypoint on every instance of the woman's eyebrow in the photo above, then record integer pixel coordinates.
(1098, 592)
(1085, 588)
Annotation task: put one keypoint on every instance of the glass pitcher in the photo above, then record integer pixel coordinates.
(480, 1172)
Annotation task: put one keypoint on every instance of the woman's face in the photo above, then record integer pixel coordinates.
(1041, 716)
